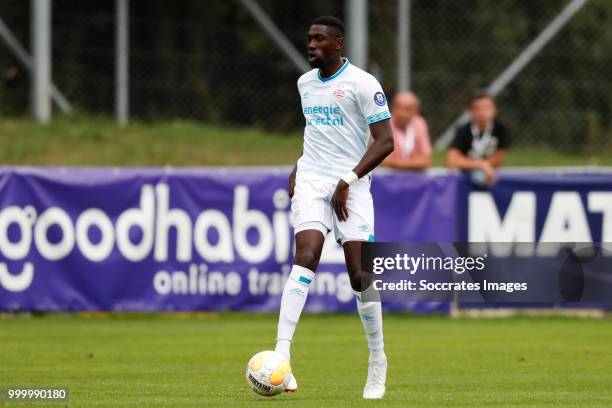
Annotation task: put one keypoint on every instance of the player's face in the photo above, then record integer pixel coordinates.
(323, 44)
(482, 111)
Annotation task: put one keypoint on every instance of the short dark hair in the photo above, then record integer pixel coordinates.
(329, 21)
(479, 94)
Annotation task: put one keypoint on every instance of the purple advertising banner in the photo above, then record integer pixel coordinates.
(190, 239)
(545, 207)
(537, 206)
(219, 239)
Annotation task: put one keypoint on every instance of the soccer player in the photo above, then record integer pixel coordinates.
(330, 185)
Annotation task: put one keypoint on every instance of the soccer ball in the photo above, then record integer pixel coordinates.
(268, 373)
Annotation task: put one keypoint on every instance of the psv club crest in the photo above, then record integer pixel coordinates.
(339, 93)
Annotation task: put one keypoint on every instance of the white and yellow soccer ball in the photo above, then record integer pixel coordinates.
(268, 373)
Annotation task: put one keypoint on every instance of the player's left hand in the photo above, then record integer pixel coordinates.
(339, 200)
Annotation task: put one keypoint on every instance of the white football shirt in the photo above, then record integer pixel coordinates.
(338, 111)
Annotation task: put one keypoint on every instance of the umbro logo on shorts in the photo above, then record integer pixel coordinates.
(364, 228)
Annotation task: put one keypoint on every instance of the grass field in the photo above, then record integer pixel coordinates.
(94, 141)
(199, 360)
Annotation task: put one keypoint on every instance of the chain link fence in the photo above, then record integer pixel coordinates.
(210, 61)
(563, 98)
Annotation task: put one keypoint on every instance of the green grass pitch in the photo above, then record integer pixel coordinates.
(81, 140)
(186, 360)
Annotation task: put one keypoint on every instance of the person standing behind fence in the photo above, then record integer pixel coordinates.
(410, 133)
(480, 145)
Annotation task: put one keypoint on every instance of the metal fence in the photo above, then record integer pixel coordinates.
(210, 61)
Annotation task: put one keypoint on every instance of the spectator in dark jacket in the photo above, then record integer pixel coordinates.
(479, 146)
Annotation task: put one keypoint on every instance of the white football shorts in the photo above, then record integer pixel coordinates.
(311, 209)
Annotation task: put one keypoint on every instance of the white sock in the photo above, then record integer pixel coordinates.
(370, 314)
(292, 303)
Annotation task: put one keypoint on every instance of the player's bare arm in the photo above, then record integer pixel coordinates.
(376, 153)
(292, 180)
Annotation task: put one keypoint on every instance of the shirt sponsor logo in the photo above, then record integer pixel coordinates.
(325, 110)
(329, 115)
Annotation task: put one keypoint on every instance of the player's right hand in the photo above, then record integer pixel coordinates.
(292, 182)
(339, 200)
(291, 186)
